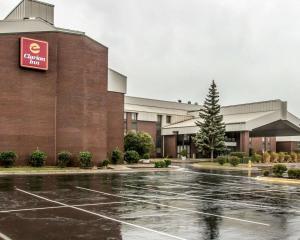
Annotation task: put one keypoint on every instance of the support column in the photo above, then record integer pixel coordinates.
(244, 142)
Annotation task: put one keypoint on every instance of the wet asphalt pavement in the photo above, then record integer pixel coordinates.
(187, 204)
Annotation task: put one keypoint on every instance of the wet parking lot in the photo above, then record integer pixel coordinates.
(186, 204)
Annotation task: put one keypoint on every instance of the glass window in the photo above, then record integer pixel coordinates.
(134, 116)
(159, 118)
(169, 118)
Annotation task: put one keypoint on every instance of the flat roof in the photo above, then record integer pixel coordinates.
(147, 102)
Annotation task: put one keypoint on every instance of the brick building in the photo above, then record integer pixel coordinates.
(74, 104)
(253, 127)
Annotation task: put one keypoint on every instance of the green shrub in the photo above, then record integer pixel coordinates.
(298, 157)
(7, 159)
(85, 159)
(294, 173)
(294, 157)
(234, 161)
(274, 157)
(183, 153)
(63, 158)
(167, 162)
(74, 161)
(146, 156)
(281, 156)
(104, 163)
(256, 158)
(116, 156)
(279, 169)
(160, 164)
(221, 160)
(266, 173)
(287, 158)
(266, 157)
(131, 156)
(245, 160)
(37, 158)
(138, 141)
(238, 154)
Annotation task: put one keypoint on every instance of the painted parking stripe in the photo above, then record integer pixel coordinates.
(4, 237)
(234, 176)
(204, 199)
(78, 205)
(56, 207)
(101, 216)
(251, 192)
(243, 187)
(177, 208)
(216, 174)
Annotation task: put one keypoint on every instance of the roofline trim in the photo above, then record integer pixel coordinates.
(168, 101)
(57, 31)
(243, 104)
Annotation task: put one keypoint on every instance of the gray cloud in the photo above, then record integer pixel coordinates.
(172, 49)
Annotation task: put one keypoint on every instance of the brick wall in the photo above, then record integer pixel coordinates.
(148, 127)
(115, 130)
(65, 108)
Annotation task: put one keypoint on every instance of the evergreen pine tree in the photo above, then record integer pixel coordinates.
(211, 136)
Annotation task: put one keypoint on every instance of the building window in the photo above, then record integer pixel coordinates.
(169, 118)
(125, 115)
(125, 127)
(159, 120)
(134, 116)
(134, 122)
(158, 143)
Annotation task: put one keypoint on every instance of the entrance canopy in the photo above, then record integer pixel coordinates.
(263, 119)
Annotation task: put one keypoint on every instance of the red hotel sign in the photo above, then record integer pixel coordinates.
(34, 54)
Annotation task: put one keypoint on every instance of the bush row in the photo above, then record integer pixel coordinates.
(279, 169)
(281, 157)
(130, 156)
(38, 158)
(232, 160)
(267, 157)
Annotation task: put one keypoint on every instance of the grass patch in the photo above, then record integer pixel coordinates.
(214, 165)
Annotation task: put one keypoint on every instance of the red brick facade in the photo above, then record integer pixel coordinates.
(67, 107)
(148, 127)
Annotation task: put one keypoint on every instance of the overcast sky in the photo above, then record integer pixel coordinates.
(172, 49)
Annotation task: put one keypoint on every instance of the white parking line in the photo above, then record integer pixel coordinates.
(100, 215)
(177, 208)
(201, 188)
(216, 174)
(207, 199)
(235, 186)
(234, 176)
(4, 237)
(45, 208)
(253, 192)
